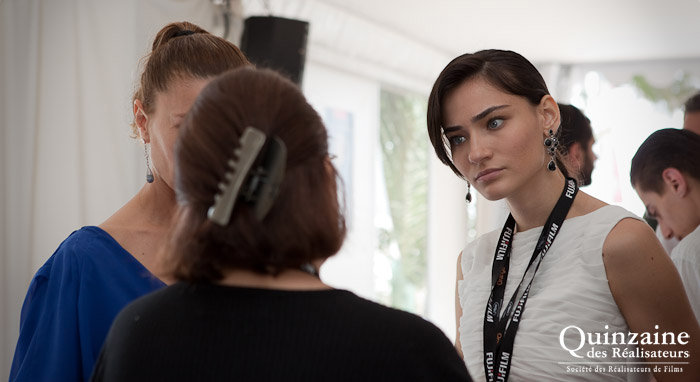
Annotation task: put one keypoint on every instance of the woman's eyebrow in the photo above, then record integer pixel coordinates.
(450, 129)
(475, 118)
(487, 111)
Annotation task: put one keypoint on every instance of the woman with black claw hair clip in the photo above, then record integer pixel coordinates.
(551, 295)
(258, 215)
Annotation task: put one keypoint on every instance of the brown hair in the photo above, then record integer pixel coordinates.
(179, 50)
(305, 222)
(663, 149)
(504, 69)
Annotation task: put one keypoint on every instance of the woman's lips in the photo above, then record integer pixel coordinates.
(488, 175)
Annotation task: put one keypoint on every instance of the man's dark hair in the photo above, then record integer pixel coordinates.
(575, 127)
(692, 105)
(663, 149)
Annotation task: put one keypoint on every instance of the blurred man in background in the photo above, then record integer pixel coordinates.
(665, 173)
(577, 137)
(691, 121)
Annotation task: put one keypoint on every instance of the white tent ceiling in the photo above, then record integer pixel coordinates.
(414, 39)
(545, 30)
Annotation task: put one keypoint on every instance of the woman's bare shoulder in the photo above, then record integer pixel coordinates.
(631, 237)
(585, 204)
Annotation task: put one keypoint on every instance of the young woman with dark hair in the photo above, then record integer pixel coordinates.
(97, 270)
(258, 215)
(566, 269)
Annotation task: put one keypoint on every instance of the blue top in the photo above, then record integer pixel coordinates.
(71, 303)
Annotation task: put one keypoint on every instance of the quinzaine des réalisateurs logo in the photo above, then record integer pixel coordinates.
(611, 352)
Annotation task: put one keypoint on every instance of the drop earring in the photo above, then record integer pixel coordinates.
(551, 144)
(468, 198)
(149, 173)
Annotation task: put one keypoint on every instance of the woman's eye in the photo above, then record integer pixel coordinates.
(495, 123)
(457, 140)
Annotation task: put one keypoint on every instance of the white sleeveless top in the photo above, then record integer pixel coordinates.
(570, 288)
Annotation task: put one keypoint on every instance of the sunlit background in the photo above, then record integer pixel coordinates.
(68, 68)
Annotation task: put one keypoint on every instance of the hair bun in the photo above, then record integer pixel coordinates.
(174, 30)
(183, 33)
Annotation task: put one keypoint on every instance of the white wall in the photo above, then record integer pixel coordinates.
(329, 88)
(4, 274)
(447, 234)
(333, 87)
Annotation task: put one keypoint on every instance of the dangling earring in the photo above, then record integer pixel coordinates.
(468, 198)
(551, 144)
(149, 173)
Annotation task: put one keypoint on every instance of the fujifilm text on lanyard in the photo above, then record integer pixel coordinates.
(500, 329)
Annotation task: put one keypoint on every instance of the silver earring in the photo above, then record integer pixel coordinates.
(149, 173)
(468, 198)
(551, 144)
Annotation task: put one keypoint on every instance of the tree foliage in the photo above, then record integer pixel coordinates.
(404, 146)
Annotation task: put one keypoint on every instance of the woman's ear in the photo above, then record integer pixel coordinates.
(549, 114)
(141, 121)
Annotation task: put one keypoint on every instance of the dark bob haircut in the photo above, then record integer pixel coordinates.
(305, 222)
(504, 69)
(663, 149)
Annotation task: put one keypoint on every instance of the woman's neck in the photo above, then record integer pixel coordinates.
(156, 204)
(141, 224)
(532, 204)
(290, 279)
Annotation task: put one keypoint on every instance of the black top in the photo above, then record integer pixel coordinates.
(209, 333)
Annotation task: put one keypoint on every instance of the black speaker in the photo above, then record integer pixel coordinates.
(276, 43)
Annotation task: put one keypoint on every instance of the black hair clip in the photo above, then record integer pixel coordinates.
(255, 173)
(265, 179)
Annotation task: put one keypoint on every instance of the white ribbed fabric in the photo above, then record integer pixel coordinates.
(570, 288)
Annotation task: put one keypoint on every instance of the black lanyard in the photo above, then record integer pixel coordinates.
(499, 330)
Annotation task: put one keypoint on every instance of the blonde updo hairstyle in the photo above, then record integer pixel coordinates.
(183, 50)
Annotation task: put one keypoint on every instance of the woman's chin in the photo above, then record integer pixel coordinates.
(492, 193)
(492, 196)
